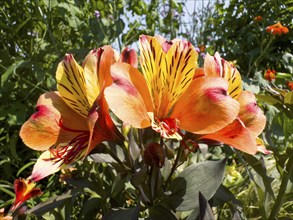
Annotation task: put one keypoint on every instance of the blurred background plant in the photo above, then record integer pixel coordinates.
(35, 35)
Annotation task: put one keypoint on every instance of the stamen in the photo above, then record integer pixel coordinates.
(167, 127)
(74, 149)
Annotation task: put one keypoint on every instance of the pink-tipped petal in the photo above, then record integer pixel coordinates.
(129, 56)
(125, 99)
(235, 135)
(251, 115)
(46, 126)
(205, 107)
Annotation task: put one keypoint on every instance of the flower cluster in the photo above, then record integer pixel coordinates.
(171, 96)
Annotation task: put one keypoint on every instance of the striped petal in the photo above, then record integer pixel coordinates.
(46, 126)
(217, 66)
(251, 115)
(235, 135)
(205, 106)
(71, 84)
(168, 67)
(128, 96)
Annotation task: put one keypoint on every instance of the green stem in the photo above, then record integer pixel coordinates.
(279, 201)
(263, 51)
(174, 167)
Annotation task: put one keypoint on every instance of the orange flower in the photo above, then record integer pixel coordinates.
(68, 124)
(290, 85)
(24, 190)
(166, 96)
(243, 131)
(277, 29)
(270, 75)
(257, 18)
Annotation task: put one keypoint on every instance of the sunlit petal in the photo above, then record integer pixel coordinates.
(125, 100)
(217, 66)
(101, 125)
(205, 107)
(168, 68)
(43, 129)
(129, 56)
(46, 165)
(251, 115)
(236, 135)
(72, 86)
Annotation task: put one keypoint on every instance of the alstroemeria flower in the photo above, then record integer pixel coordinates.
(69, 123)
(277, 29)
(166, 96)
(24, 190)
(243, 131)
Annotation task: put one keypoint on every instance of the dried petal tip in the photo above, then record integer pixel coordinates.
(24, 190)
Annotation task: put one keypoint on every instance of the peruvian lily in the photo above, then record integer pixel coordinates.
(70, 122)
(24, 190)
(166, 96)
(242, 133)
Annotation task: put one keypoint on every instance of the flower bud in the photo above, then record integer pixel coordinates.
(154, 155)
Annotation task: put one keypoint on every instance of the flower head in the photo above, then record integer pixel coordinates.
(277, 29)
(243, 131)
(24, 190)
(166, 96)
(257, 18)
(270, 75)
(70, 122)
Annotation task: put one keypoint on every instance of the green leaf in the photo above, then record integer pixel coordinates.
(131, 214)
(11, 70)
(204, 177)
(289, 98)
(205, 211)
(102, 158)
(50, 204)
(258, 165)
(161, 212)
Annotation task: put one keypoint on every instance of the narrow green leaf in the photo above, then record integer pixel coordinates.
(131, 214)
(205, 211)
(50, 204)
(161, 212)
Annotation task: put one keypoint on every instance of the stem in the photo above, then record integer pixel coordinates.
(173, 167)
(279, 201)
(263, 51)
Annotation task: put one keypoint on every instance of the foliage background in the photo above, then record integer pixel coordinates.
(36, 34)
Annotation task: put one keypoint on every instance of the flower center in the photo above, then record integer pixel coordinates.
(167, 127)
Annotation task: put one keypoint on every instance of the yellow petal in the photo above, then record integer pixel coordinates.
(124, 99)
(43, 129)
(251, 115)
(205, 106)
(72, 85)
(168, 68)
